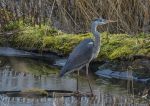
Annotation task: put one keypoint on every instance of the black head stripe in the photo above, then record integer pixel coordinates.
(98, 19)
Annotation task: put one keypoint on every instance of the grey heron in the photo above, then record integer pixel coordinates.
(85, 52)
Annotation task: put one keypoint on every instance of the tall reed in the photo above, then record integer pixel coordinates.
(132, 16)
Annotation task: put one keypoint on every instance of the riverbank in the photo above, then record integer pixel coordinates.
(46, 38)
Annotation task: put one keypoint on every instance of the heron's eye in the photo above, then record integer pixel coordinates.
(100, 20)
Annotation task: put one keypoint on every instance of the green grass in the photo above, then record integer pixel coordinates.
(45, 37)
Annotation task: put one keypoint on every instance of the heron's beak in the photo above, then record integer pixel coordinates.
(108, 21)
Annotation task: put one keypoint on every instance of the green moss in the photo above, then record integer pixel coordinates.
(35, 37)
(45, 37)
(121, 52)
(113, 46)
(36, 91)
(122, 45)
(144, 51)
(62, 44)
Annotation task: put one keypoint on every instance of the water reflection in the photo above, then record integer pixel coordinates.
(100, 100)
(17, 81)
(14, 79)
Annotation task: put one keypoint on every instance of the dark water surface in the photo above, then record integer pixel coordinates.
(20, 74)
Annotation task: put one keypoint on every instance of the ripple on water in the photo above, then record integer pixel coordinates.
(12, 80)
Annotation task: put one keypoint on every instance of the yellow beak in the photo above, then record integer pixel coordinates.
(108, 21)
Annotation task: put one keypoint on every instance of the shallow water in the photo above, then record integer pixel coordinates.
(22, 74)
(16, 81)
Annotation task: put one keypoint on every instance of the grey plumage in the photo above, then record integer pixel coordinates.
(80, 56)
(87, 50)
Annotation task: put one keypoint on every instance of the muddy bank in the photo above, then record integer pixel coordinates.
(12, 52)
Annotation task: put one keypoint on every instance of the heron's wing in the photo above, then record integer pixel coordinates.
(79, 56)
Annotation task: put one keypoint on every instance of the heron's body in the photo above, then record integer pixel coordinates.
(78, 58)
(85, 52)
(82, 55)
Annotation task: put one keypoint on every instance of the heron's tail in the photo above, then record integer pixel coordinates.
(62, 72)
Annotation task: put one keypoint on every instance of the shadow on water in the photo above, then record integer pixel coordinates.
(20, 75)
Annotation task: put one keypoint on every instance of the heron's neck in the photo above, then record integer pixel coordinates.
(97, 39)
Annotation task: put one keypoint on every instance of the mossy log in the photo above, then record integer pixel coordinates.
(47, 38)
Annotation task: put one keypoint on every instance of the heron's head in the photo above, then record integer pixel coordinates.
(101, 21)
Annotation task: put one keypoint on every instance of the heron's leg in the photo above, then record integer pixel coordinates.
(78, 82)
(87, 66)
